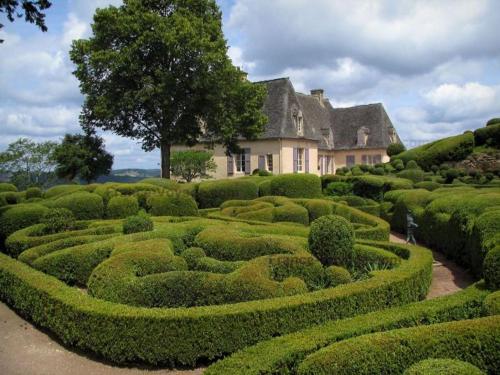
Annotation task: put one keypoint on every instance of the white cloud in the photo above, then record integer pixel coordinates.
(74, 28)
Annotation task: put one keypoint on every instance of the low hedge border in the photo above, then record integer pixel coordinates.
(122, 333)
(282, 355)
(474, 341)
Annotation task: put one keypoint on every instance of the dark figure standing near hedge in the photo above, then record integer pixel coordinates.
(410, 228)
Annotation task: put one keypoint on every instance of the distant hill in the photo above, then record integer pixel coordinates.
(129, 175)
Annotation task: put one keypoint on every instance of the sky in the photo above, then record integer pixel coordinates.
(435, 65)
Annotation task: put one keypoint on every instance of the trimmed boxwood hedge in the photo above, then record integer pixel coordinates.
(59, 190)
(214, 193)
(474, 341)
(296, 185)
(284, 354)
(85, 206)
(5, 186)
(173, 204)
(122, 206)
(182, 336)
(20, 216)
(439, 366)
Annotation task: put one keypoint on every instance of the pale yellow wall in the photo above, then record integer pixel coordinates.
(287, 146)
(340, 156)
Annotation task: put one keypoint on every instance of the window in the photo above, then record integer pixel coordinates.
(329, 164)
(300, 159)
(298, 121)
(240, 162)
(363, 133)
(269, 158)
(350, 160)
(371, 159)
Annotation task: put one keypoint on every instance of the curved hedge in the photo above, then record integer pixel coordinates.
(176, 204)
(59, 190)
(124, 333)
(121, 206)
(436, 366)
(5, 186)
(20, 216)
(214, 193)
(284, 354)
(474, 341)
(296, 185)
(84, 205)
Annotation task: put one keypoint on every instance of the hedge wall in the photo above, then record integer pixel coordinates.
(214, 193)
(123, 333)
(296, 185)
(435, 366)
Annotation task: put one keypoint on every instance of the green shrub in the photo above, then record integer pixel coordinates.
(331, 240)
(413, 174)
(492, 303)
(138, 223)
(85, 206)
(58, 220)
(336, 275)
(265, 188)
(5, 186)
(10, 197)
(427, 185)
(485, 236)
(174, 204)
(380, 171)
(164, 183)
(214, 193)
(59, 190)
(439, 366)
(33, 192)
(491, 268)
(450, 175)
(369, 187)
(296, 185)
(475, 341)
(318, 208)
(493, 121)
(327, 179)
(489, 135)
(356, 171)
(20, 216)
(122, 206)
(338, 188)
(291, 212)
(412, 164)
(398, 164)
(395, 148)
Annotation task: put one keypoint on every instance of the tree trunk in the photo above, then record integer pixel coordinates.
(165, 160)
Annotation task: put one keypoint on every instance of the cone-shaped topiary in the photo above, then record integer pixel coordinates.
(331, 240)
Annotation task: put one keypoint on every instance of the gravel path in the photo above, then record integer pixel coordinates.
(25, 350)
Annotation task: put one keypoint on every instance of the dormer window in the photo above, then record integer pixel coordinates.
(392, 135)
(363, 133)
(298, 121)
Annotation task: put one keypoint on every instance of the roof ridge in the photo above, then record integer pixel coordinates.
(272, 80)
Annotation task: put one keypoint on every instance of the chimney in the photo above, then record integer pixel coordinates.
(318, 94)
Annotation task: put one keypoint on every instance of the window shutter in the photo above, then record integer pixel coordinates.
(262, 162)
(230, 165)
(295, 157)
(247, 161)
(306, 152)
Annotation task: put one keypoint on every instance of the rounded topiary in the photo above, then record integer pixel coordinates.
(58, 220)
(122, 206)
(318, 208)
(174, 204)
(493, 121)
(336, 275)
(191, 254)
(491, 268)
(85, 206)
(395, 148)
(339, 188)
(33, 192)
(492, 303)
(294, 285)
(412, 164)
(5, 186)
(441, 366)
(20, 216)
(138, 223)
(331, 240)
(296, 185)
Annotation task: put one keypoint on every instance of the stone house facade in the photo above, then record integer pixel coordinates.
(305, 134)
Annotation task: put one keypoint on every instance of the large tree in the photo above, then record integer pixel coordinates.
(158, 71)
(29, 163)
(83, 156)
(32, 10)
(191, 164)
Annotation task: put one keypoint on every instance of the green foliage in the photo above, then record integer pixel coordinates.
(291, 212)
(318, 208)
(491, 268)
(427, 185)
(20, 216)
(415, 175)
(338, 188)
(412, 164)
(214, 193)
(85, 206)
(395, 149)
(30, 10)
(450, 175)
(58, 190)
(83, 156)
(474, 341)
(436, 366)
(336, 275)
(174, 204)
(4, 186)
(398, 164)
(138, 223)
(329, 178)
(33, 192)
(493, 121)
(296, 185)
(489, 135)
(369, 187)
(492, 303)
(331, 240)
(191, 164)
(58, 220)
(122, 206)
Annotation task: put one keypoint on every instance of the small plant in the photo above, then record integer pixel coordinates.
(338, 188)
(138, 223)
(395, 148)
(58, 220)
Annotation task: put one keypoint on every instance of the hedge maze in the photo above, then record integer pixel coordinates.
(137, 273)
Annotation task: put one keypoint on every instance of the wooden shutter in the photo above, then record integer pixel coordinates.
(262, 162)
(230, 165)
(295, 157)
(247, 161)
(306, 153)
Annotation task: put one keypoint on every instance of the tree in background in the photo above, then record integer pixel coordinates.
(189, 164)
(32, 11)
(158, 71)
(395, 148)
(83, 156)
(29, 163)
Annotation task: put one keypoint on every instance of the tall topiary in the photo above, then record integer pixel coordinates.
(331, 240)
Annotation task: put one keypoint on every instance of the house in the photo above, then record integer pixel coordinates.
(305, 134)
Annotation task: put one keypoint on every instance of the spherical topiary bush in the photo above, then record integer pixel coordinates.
(441, 366)
(33, 192)
(20, 216)
(5, 186)
(138, 223)
(491, 303)
(191, 255)
(395, 148)
(412, 164)
(58, 220)
(294, 285)
(85, 206)
(331, 240)
(122, 206)
(174, 204)
(491, 268)
(296, 185)
(336, 275)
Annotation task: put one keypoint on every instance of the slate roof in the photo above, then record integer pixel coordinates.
(320, 118)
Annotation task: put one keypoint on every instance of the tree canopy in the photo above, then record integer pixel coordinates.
(83, 156)
(191, 164)
(31, 9)
(158, 71)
